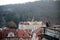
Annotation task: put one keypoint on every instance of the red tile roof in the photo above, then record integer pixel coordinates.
(4, 33)
(19, 33)
(39, 32)
(0, 34)
(12, 30)
(23, 34)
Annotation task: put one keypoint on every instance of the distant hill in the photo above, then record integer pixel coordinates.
(40, 10)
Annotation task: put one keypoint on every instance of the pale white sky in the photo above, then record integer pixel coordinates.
(5, 2)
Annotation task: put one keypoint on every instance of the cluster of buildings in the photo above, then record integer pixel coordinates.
(26, 31)
(29, 30)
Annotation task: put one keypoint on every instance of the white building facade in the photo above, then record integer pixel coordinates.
(31, 25)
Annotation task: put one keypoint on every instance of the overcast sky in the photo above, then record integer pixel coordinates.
(5, 2)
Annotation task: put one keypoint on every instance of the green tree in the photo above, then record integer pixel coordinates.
(12, 24)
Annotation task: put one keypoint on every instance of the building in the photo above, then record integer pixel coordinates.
(24, 35)
(31, 25)
(34, 26)
(26, 31)
(9, 34)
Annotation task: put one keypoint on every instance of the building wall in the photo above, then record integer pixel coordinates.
(32, 25)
